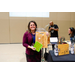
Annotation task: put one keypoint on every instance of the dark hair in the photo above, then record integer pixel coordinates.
(73, 31)
(29, 25)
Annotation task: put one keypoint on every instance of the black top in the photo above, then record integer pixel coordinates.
(53, 32)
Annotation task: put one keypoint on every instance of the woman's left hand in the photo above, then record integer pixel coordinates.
(47, 33)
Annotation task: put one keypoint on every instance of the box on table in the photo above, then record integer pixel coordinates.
(63, 49)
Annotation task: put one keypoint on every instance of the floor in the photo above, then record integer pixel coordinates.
(13, 53)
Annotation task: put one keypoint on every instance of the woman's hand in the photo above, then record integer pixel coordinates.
(47, 33)
(31, 47)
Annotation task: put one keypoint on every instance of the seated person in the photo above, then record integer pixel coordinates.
(71, 32)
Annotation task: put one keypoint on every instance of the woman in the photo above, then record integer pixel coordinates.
(71, 32)
(28, 42)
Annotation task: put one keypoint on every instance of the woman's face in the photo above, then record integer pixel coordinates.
(69, 31)
(32, 26)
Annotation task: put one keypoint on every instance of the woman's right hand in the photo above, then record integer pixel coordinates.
(31, 47)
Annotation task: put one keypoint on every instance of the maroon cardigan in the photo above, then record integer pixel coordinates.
(27, 40)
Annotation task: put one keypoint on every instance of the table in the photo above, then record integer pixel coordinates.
(64, 58)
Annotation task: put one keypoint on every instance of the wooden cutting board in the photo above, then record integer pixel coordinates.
(42, 38)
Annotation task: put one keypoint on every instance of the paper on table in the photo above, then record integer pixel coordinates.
(53, 39)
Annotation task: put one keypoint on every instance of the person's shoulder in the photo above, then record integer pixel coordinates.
(55, 25)
(26, 33)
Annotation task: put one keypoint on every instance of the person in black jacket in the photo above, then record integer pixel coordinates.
(53, 29)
